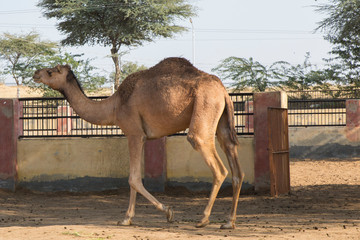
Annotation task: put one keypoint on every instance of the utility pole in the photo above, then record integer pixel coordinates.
(193, 42)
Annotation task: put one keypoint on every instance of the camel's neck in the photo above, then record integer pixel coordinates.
(96, 112)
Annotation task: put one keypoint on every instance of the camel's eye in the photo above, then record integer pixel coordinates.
(49, 72)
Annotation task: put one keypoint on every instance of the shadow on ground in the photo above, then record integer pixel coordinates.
(320, 203)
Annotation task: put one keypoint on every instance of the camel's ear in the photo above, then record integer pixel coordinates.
(58, 68)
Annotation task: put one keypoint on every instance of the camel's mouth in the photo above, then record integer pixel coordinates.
(36, 78)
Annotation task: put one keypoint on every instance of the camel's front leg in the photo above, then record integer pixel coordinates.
(136, 145)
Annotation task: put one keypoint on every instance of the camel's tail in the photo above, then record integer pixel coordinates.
(229, 108)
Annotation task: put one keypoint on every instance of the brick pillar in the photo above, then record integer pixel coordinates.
(10, 130)
(155, 165)
(353, 120)
(262, 101)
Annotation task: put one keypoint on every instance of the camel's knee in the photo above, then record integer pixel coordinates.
(195, 141)
(135, 183)
(220, 176)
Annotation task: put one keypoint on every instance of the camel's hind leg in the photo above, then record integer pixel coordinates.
(230, 148)
(212, 159)
(202, 137)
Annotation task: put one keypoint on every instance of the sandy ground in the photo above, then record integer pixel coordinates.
(324, 204)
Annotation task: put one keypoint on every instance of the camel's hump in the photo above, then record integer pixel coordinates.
(174, 61)
(169, 66)
(173, 65)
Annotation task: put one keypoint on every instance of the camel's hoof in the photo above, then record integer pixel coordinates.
(228, 225)
(202, 224)
(169, 214)
(125, 222)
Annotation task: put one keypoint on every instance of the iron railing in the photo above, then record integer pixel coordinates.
(317, 112)
(319, 107)
(53, 117)
(353, 93)
(243, 111)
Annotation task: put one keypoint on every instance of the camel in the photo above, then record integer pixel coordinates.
(162, 100)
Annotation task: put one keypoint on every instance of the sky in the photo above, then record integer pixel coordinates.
(267, 31)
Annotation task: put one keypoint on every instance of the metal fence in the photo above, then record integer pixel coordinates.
(317, 112)
(53, 117)
(353, 93)
(243, 111)
(319, 107)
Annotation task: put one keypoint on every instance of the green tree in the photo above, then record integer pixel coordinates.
(87, 74)
(126, 69)
(129, 68)
(245, 73)
(341, 27)
(19, 51)
(116, 23)
(302, 77)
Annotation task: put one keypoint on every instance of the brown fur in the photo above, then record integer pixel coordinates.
(71, 79)
(169, 97)
(229, 111)
(168, 66)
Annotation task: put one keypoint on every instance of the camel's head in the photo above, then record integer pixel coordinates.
(53, 77)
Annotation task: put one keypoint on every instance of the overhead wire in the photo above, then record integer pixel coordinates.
(87, 8)
(202, 30)
(5, 12)
(198, 30)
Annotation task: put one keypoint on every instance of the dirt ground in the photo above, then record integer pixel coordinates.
(324, 204)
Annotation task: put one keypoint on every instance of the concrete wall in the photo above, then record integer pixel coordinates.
(93, 164)
(185, 166)
(322, 143)
(329, 142)
(82, 164)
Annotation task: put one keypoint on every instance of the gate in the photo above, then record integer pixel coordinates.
(279, 151)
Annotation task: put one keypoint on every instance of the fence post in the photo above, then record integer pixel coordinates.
(155, 164)
(262, 101)
(10, 130)
(353, 120)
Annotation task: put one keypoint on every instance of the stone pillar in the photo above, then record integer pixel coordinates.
(262, 101)
(155, 165)
(353, 120)
(10, 130)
